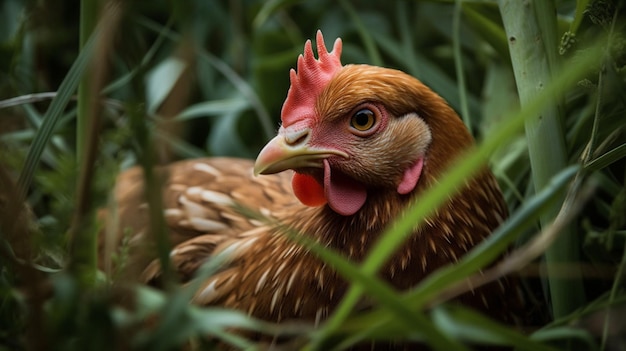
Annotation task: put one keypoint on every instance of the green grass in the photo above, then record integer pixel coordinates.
(548, 117)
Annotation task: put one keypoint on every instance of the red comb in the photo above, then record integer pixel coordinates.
(312, 77)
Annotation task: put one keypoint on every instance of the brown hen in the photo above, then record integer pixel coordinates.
(364, 143)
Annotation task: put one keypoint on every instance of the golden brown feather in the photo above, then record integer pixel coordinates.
(271, 277)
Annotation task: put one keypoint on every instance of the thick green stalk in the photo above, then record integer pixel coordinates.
(531, 34)
(82, 235)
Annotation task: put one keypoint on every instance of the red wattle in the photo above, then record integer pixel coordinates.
(308, 190)
(345, 195)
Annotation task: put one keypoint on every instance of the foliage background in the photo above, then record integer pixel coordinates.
(197, 78)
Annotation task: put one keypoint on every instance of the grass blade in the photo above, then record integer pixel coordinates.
(458, 64)
(472, 326)
(54, 113)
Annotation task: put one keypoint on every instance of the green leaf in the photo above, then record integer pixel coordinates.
(54, 113)
(214, 108)
(467, 325)
(480, 17)
(607, 158)
(566, 333)
(161, 80)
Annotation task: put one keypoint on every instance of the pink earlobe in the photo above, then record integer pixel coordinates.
(411, 177)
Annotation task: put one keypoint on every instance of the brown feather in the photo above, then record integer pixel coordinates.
(271, 277)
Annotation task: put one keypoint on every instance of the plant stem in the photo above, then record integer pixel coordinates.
(88, 20)
(531, 35)
(83, 233)
(458, 64)
(593, 139)
(82, 242)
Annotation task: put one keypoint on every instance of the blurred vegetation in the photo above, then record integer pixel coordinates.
(183, 79)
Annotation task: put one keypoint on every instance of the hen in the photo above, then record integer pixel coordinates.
(364, 143)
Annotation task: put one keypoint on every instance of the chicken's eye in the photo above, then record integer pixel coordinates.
(363, 120)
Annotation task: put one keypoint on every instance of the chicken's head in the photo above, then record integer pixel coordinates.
(350, 130)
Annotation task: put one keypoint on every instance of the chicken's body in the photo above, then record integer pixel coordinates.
(413, 138)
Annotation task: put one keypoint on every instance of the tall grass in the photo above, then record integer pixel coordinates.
(214, 70)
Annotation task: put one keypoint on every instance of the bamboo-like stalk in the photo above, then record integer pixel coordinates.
(83, 238)
(82, 242)
(531, 31)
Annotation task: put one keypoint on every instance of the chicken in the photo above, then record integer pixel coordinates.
(364, 142)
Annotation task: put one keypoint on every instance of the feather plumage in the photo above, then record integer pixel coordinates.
(269, 276)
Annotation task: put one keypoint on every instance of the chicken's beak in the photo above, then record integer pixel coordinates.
(289, 151)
